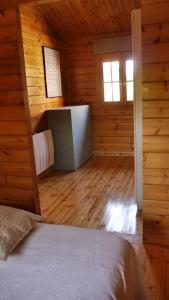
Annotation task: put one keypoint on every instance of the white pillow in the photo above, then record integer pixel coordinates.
(15, 224)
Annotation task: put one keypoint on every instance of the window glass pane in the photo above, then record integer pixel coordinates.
(116, 91)
(115, 71)
(130, 92)
(129, 70)
(107, 71)
(107, 92)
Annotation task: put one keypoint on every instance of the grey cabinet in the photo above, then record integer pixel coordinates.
(71, 131)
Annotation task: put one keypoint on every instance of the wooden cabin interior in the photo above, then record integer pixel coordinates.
(101, 194)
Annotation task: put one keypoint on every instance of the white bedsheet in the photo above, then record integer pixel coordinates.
(69, 263)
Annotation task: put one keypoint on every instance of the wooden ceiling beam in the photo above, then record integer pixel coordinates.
(136, 4)
(4, 4)
(13, 3)
(79, 18)
(39, 2)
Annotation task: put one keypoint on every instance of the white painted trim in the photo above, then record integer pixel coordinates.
(137, 57)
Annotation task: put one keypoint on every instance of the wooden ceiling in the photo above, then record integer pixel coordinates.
(72, 19)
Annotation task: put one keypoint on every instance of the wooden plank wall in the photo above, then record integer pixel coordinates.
(155, 28)
(112, 128)
(17, 180)
(37, 33)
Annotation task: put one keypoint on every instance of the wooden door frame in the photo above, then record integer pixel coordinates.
(137, 57)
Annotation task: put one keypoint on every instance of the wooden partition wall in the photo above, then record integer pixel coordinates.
(112, 127)
(155, 31)
(17, 177)
(22, 34)
(37, 33)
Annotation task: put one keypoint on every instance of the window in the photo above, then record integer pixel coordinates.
(115, 79)
(129, 80)
(111, 79)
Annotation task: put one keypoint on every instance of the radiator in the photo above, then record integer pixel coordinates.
(43, 150)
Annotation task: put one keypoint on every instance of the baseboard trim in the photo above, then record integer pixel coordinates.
(114, 153)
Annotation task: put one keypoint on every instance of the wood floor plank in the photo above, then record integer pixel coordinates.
(100, 191)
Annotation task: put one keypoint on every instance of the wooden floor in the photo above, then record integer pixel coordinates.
(101, 195)
(155, 262)
(98, 195)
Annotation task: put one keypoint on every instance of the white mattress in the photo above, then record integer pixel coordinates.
(69, 263)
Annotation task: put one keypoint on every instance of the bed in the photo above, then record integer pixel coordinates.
(68, 263)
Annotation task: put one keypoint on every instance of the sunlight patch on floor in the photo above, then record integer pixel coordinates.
(120, 217)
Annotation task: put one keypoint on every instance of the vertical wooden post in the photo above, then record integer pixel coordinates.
(137, 57)
(27, 116)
